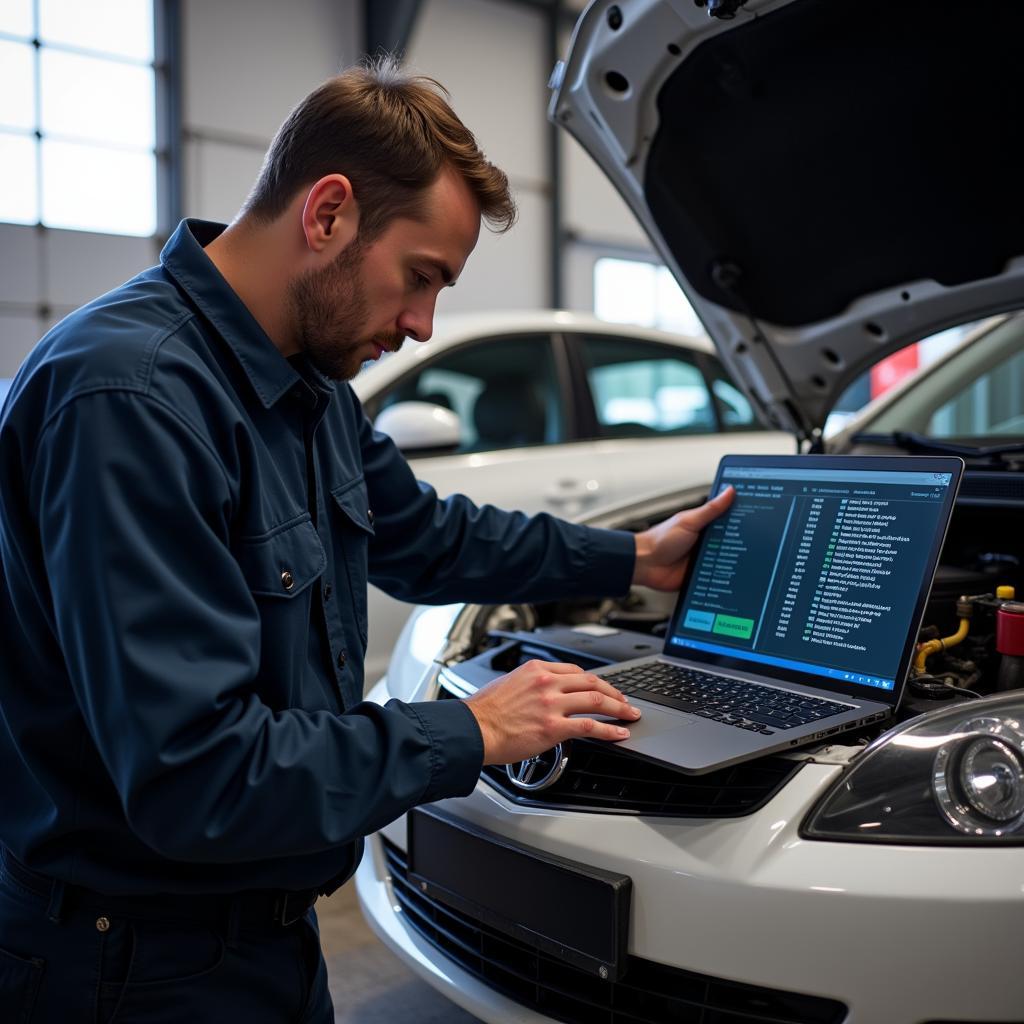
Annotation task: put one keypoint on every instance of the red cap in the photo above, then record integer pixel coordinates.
(1010, 628)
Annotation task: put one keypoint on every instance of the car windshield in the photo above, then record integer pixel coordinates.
(975, 395)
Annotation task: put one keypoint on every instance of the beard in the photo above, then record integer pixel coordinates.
(330, 311)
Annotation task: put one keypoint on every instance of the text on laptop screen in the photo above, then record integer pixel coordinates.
(814, 570)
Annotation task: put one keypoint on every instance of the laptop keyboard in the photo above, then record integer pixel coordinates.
(750, 706)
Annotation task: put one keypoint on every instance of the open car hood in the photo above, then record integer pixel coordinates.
(828, 180)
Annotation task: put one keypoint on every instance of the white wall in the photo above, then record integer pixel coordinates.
(492, 57)
(45, 274)
(246, 63)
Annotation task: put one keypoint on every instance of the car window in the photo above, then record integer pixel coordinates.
(977, 392)
(892, 370)
(641, 388)
(504, 391)
(734, 408)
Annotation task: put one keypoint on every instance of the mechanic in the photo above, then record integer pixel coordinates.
(191, 503)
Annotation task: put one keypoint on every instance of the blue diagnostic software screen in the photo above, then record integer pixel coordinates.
(815, 570)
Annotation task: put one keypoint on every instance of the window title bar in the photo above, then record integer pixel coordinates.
(844, 476)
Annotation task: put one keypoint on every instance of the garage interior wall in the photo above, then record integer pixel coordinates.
(245, 63)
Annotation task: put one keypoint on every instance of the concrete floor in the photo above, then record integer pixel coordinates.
(369, 984)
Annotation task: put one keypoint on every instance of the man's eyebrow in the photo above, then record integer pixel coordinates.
(443, 269)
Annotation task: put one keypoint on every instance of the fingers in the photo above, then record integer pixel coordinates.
(558, 667)
(591, 702)
(588, 681)
(533, 708)
(587, 728)
(571, 678)
(698, 518)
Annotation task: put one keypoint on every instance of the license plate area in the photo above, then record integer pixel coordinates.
(576, 913)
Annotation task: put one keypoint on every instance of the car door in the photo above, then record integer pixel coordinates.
(513, 400)
(660, 416)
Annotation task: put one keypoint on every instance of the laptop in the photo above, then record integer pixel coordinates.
(798, 617)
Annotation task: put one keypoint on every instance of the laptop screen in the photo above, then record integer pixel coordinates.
(820, 570)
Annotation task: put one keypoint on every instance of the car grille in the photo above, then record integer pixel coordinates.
(601, 778)
(648, 993)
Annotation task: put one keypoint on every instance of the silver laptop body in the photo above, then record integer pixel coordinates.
(829, 630)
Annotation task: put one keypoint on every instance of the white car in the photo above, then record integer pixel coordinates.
(552, 412)
(791, 161)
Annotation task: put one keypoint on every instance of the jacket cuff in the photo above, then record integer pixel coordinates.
(456, 748)
(612, 562)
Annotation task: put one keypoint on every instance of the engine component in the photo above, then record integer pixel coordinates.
(1010, 644)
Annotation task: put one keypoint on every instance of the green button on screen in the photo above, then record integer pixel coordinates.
(729, 625)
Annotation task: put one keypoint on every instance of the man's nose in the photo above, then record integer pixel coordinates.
(417, 324)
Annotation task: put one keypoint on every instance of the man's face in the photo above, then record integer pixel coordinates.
(374, 295)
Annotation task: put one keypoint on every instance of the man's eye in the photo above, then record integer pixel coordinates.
(420, 281)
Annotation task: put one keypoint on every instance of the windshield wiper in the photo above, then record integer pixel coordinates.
(930, 446)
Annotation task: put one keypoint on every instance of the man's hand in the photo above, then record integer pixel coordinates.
(528, 711)
(663, 551)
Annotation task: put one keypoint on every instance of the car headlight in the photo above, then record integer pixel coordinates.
(951, 776)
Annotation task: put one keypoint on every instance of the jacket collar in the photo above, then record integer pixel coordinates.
(183, 258)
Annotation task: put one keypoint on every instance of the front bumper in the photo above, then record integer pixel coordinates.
(896, 933)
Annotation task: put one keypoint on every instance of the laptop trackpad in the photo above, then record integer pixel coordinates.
(653, 721)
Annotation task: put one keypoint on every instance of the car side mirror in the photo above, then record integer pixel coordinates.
(420, 427)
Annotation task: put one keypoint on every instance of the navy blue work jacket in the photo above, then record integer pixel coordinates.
(187, 524)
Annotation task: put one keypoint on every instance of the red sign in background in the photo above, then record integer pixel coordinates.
(891, 370)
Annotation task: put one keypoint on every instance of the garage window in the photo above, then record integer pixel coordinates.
(642, 293)
(78, 115)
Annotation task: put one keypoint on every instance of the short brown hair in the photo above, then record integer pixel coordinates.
(391, 133)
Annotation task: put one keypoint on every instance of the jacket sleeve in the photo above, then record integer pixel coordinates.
(161, 639)
(438, 551)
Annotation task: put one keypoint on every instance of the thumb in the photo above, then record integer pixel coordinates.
(698, 518)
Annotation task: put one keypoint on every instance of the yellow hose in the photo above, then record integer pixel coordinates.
(929, 647)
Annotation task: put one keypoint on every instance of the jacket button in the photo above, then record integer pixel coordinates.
(342, 658)
(369, 515)
(103, 924)
(287, 580)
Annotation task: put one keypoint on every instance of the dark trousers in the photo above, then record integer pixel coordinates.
(66, 957)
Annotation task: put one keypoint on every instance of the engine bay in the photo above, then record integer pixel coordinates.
(971, 642)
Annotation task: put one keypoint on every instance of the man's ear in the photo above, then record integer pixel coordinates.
(330, 216)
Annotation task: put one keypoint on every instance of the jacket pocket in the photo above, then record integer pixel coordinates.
(283, 562)
(19, 984)
(281, 568)
(353, 532)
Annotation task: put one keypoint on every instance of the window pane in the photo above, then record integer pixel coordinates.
(736, 409)
(978, 392)
(17, 86)
(626, 291)
(990, 406)
(640, 389)
(91, 189)
(122, 27)
(19, 203)
(102, 101)
(674, 310)
(504, 391)
(16, 18)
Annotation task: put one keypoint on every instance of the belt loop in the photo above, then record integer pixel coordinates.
(55, 907)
